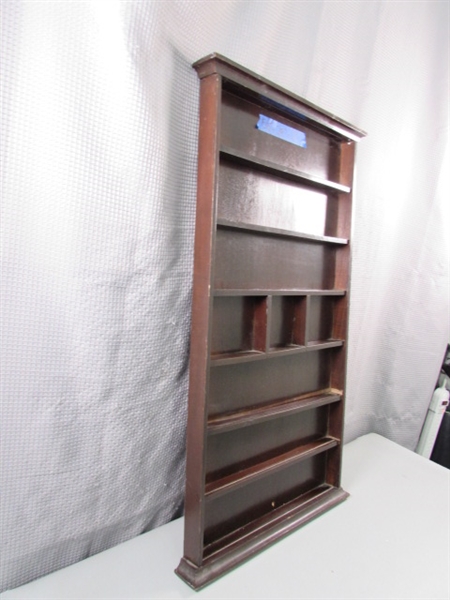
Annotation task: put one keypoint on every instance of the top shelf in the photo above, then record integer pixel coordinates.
(285, 172)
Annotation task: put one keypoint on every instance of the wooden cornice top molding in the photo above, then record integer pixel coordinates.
(233, 73)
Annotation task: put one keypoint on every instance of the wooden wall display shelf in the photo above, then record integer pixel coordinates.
(269, 318)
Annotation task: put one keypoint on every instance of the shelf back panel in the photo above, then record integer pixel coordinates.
(239, 127)
(232, 451)
(234, 322)
(287, 321)
(227, 513)
(267, 261)
(252, 197)
(243, 385)
(320, 318)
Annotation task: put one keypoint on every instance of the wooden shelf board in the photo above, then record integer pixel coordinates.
(281, 232)
(293, 349)
(278, 292)
(249, 416)
(230, 358)
(231, 482)
(321, 344)
(281, 171)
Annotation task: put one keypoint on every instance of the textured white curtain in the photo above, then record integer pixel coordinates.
(99, 141)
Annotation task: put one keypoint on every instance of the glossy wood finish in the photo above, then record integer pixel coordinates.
(269, 319)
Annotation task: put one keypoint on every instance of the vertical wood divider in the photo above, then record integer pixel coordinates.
(268, 321)
(306, 313)
(260, 323)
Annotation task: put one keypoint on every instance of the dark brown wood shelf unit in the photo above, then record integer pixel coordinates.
(269, 318)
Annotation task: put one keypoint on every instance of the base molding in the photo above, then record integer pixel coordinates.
(260, 535)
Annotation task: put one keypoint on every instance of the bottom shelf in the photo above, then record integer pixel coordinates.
(228, 552)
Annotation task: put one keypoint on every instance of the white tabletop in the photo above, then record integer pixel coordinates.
(390, 539)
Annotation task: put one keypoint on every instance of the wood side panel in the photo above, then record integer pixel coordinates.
(338, 375)
(210, 95)
(343, 218)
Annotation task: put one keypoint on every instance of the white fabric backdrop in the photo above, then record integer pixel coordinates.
(99, 173)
